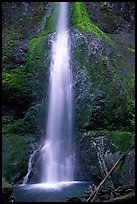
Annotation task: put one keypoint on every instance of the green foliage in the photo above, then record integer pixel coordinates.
(4, 5)
(122, 140)
(120, 95)
(22, 91)
(16, 91)
(32, 118)
(29, 124)
(132, 50)
(36, 60)
(7, 119)
(124, 198)
(112, 74)
(35, 65)
(14, 31)
(115, 77)
(27, 84)
(7, 53)
(81, 20)
(51, 20)
(14, 80)
(18, 127)
(118, 140)
(15, 152)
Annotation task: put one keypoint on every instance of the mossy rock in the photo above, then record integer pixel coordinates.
(15, 155)
(100, 65)
(81, 20)
(103, 85)
(122, 140)
(16, 91)
(97, 152)
(124, 198)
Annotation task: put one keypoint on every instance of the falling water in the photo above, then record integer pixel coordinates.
(57, 151)
(30, 163)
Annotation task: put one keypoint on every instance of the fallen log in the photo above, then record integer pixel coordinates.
(94, 194)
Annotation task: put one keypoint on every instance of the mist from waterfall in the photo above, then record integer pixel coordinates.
(57, 152)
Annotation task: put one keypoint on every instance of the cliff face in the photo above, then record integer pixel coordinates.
(112, 17)
(103, 71)
(102, 62)
(25, 71)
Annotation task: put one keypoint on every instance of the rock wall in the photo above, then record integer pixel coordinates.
(103, 84)
(24, 82)
(112, 17)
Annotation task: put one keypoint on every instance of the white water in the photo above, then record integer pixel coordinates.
(57, 152)
(25, 180)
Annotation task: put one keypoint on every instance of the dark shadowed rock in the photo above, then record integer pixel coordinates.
(6, 190)
(24, 48)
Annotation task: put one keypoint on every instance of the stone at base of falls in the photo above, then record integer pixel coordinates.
(34, 176)
(6, 190)
(74, 199)
(98, 151)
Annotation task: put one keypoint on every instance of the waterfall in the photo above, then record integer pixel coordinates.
(30, 163)
(57, 163)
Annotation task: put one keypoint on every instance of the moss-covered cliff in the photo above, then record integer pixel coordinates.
(103, 74)
(26, 46)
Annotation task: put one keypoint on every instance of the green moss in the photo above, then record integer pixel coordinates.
(118, 85)
(15, 153)
(37, 44)
(51, 21)
(122, 140)
(18, 29)
(109, 20)
(23, 91)
(116, 80)
(16, 91)
(124, 75)
(29, 124)
(81, 56)
(5, 5)
(35, 59)
(22, 86)
(7, 119)
(81, 20)
(18, 127)
(124, 198)
(132, 50)
(14, 79)
(112, 74)
(7, 53)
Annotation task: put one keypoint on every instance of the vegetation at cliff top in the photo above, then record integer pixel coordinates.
(81, 20)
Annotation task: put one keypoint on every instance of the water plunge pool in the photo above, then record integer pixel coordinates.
(49, 192)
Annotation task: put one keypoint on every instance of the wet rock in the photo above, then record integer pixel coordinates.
(36, 164)
(74, 199)
(111, 17)
(24, 48)
(96, 154)
(19, 54)
(18, 58)
(94, 87)
(124, 9)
